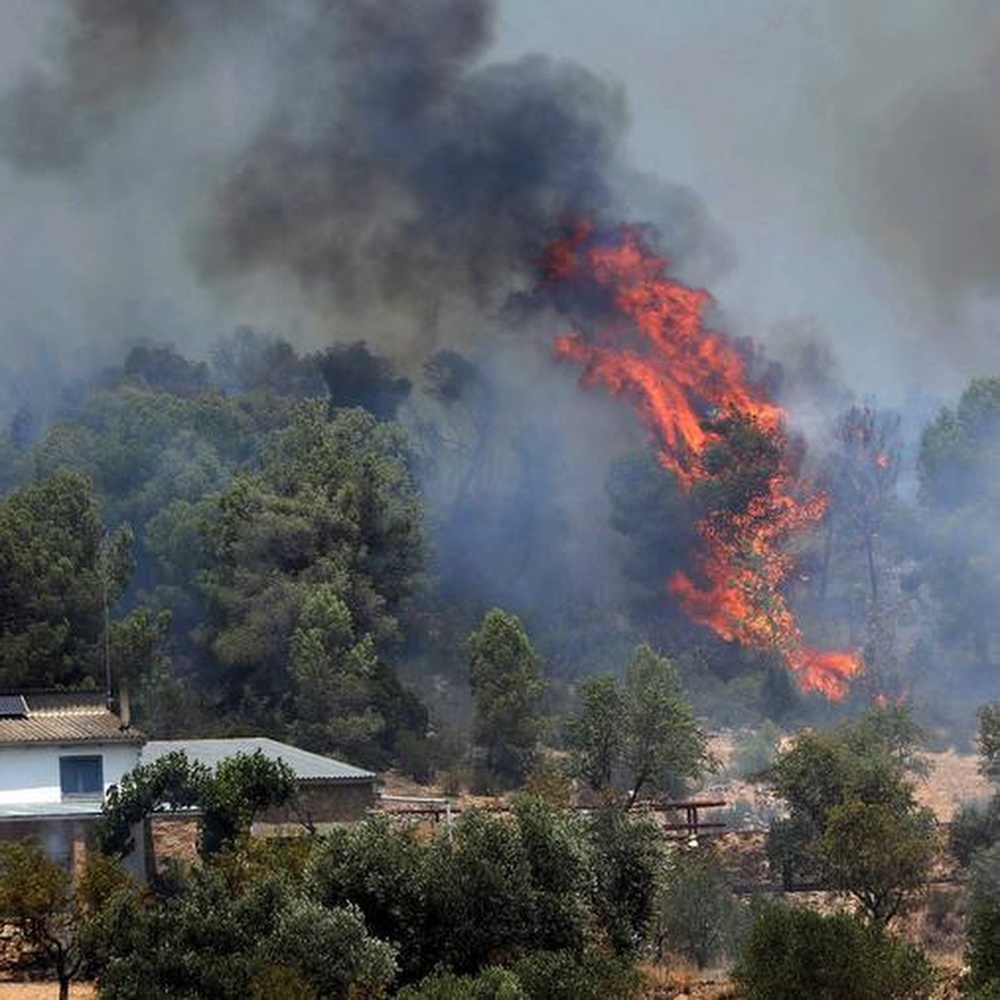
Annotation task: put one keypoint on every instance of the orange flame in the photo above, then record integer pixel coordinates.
(657, 353)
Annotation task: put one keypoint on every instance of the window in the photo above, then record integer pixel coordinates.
(81, 775)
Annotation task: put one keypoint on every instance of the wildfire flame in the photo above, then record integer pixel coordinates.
(690, 387)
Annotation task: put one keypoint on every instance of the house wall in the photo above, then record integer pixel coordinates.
(321, 802)
(29, 775)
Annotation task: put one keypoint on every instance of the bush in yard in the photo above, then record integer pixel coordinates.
(975, 826)
(540, 975)
(208, 942)
(628, 857)
(983, 935)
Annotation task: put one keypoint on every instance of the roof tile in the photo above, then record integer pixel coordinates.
(67, 717)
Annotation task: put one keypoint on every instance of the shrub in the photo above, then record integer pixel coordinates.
(277, 982)
(561, 975)
(381, 870)
(983, 943)
(627, 864)
(975, 825)
(542, 975)
(991, 991)
(208, 943)
(490, 984)
(792, 953)
(699, 918)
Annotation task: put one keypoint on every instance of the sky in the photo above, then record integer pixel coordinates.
(846, 154)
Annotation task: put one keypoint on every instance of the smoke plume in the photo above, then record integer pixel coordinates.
(385, 166)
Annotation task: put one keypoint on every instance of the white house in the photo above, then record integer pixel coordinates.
(59, 753)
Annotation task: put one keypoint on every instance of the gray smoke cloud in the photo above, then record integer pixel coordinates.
(379, 164)
(923, 153)
(335, 170)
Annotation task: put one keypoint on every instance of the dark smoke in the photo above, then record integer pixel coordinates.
(347, 172)
(379, 162)
(398, 170)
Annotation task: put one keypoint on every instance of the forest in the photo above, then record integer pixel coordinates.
(281, 540)
(271, 542)
(553, 409)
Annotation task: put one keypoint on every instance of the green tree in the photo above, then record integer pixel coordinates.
(988, 740)
(209, 941)
(311, 560)
(627, 862)
(230, 797)
(881, 857)
(853, 820)
(382, 869)
(983, 932)
(959, 474)
(698, 916)
(595, 733)
(491, 888)
(48, 913)
(333, 673)
(506, 690)
(792, 952)
(58, 573)
(662, 743)
(640, 735)
(976, 826)
(540, 975)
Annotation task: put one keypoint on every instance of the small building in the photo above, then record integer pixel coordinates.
(328, 791)
(59, 754)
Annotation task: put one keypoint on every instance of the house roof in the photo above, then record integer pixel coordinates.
(307, 766)
(64, 717)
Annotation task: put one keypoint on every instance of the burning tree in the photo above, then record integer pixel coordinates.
(716, 431)
(862, 476)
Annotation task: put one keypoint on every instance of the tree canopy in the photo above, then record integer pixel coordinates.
(506, 688)
(59, 573)
(639, 735)
(853, 822)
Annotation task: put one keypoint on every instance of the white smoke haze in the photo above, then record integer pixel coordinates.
(387, 170)
(850, 151)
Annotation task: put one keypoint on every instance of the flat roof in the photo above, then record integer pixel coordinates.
(307, 766)
(51, 810)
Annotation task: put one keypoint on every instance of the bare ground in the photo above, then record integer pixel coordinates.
(44, 991)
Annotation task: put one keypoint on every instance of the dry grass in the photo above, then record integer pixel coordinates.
(44, 991)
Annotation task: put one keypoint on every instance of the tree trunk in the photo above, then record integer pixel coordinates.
(872, 571)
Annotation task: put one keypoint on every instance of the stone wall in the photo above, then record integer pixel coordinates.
(173, 836)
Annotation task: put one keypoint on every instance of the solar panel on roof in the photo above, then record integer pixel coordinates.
(13, 706)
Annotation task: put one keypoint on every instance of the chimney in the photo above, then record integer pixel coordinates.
(125, 708)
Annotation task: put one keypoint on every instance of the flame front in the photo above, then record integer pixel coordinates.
(688, 384)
